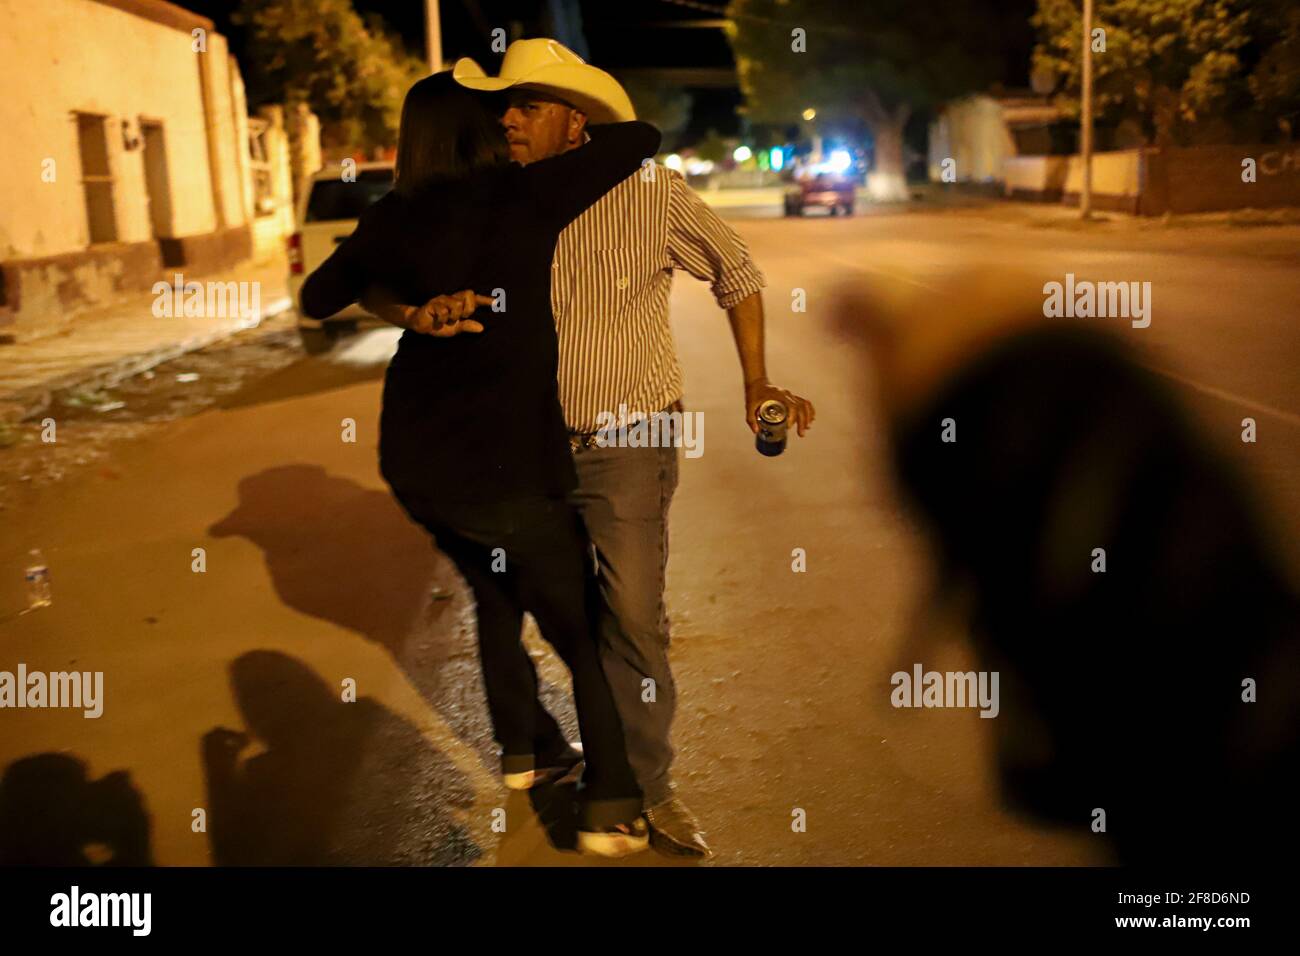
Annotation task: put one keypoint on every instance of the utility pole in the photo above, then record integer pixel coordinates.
(1085, 195)
(433, 35)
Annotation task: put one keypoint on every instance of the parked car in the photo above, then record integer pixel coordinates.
(821, 189)
(328, 210)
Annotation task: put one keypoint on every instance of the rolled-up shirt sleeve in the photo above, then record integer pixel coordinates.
(706, 247)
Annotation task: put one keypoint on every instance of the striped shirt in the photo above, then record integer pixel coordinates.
(611, 278)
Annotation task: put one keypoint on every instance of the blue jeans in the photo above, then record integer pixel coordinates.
(623, 496)
(545, 573)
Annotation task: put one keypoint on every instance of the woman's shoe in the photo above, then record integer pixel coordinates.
(622, 840)
(557, 770)
(520, 781)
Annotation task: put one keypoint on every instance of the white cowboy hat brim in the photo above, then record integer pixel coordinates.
(588, 88)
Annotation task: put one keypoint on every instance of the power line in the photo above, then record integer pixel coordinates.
(834, 28)
(702, 7)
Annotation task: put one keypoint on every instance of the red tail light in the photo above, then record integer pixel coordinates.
(294, 249)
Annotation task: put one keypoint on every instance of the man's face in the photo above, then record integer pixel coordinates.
(538, 126)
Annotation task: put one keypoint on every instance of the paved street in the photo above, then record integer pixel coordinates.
(313, 577)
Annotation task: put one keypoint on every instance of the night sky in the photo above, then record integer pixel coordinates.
(618, 34)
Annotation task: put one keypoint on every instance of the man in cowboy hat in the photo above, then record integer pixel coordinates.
(610, 282)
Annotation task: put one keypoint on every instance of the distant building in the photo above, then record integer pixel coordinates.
(978, 133)
(127, 155)
(1022, 147)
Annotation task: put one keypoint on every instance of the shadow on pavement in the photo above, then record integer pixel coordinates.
(335, 782)
(338, 551)
(52, 814)
(349, 555)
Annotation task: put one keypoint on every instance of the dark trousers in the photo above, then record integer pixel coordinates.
(623, 497)
(531, 555)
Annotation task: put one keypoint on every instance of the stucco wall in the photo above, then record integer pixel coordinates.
(239, 113)
(1117, 178)
(1156, 181)
(61, 56)
(221, 115)
(973, 132)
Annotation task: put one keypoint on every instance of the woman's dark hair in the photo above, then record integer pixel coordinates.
(447, 133)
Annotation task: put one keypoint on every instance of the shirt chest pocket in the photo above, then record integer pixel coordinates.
(618, 277)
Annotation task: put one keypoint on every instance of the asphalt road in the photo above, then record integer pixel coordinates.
(222, 688)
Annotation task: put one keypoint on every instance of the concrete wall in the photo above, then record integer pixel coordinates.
(303, 128)
(1153, 182)
(1209, 179)
(1117, 179)
(239, 113)
(226, 148)
(127, 60)
(972, 131)
(61, 56)
(271, 228)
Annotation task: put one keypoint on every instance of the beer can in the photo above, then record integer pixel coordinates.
(772, 418)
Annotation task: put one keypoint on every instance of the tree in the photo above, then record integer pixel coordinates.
(351, 72)
(1275, 80)
(872, 63)
(1169, 66)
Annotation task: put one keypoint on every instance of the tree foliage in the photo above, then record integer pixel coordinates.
(1275, 80)
(1179, 70)
(351, 72)
(866, 62)
(872, 61)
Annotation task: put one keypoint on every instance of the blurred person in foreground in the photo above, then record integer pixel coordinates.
(1123, 689)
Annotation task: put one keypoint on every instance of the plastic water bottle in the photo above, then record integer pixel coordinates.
(38, 581)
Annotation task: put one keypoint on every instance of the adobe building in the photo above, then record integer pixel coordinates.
(127, 151)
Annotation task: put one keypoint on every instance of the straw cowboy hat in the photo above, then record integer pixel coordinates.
(551, 67)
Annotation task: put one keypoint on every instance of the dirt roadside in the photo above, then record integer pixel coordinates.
(86, 422)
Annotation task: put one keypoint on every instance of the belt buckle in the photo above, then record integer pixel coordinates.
(581, 441)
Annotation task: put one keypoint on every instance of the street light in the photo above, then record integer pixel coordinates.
(810, 114)
(741, 154)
